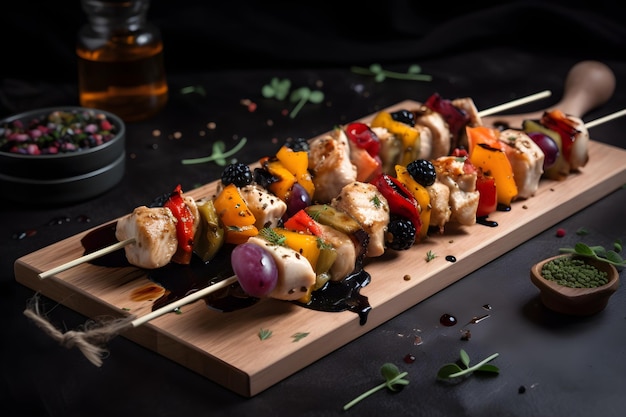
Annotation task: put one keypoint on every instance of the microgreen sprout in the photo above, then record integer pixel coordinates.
(453, 370)
(303, 95)
(392, 376)
(218, 155)
(430, 255)
(599, 253)
(279, 89)
(413, 73)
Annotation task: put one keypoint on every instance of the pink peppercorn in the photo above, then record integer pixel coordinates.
(560, 232)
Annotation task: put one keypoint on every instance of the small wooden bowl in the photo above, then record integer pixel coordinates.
(575, 301)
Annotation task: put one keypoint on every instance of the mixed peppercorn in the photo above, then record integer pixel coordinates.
(57, 132)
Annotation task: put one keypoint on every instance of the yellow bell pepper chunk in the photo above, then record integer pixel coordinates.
(421, 195)
(305, 244)
(235, 215)
(487, 152)
(409, 136)
(297, 162)
(286, 179)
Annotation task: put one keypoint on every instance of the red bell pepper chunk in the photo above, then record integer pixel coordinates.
(302, 222)
(488, 200)
(184, 226)
(401, 201)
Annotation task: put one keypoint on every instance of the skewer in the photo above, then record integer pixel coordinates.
(515, 103)
(119, 245)
(90, 341)
(606, 118)
(86, 258)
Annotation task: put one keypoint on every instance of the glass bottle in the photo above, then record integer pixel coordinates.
(120, 60)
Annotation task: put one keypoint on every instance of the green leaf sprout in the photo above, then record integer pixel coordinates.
(599, 253)
(452, 370)
(303, 95)
(393, 377)
(218, 155)
(413, 73)
(279, 89)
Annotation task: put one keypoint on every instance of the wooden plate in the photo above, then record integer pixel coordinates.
(226, 348)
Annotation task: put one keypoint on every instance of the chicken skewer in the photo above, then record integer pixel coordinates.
(130, 241)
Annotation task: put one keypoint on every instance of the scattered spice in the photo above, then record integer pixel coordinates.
(560, 232)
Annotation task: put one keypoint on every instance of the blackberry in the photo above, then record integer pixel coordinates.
(423, 171)
(404, 116)
(237, 173)
(298, 144)
(400, 234)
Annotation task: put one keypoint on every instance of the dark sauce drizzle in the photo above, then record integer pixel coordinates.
(182, 280)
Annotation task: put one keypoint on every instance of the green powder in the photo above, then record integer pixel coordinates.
(575, 273)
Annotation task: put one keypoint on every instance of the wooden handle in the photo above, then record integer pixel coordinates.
(588, 85)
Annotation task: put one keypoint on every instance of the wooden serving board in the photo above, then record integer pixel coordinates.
(226, 348)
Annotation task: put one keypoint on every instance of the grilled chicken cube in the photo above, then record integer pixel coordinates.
(462, 185)
(265, 206)
(440, 205)
(358, 200)
(390, 149)
(526, 158)
(467, 105)
(154, 231)
(439, 130)
(346, 260)
(295, 273)
(329, 162)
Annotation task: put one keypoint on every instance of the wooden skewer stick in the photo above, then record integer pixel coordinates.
(605, 119)
(184, 301)
(86, 258)
(91, 341)
(588, 85)
(515, 103)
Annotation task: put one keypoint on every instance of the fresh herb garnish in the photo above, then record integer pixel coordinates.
(599, 253)
(414, 73)
(392, 376)
(376, 201)
(273, 236)
(298, 336)
(218, 155)
(279, 89)
(430, 255)
(452, 370)
(265, 334)
(582, 231)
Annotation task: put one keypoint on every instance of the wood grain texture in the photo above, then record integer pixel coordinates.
(226, 348)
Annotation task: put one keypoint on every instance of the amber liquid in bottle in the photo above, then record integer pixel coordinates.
(121, 69)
